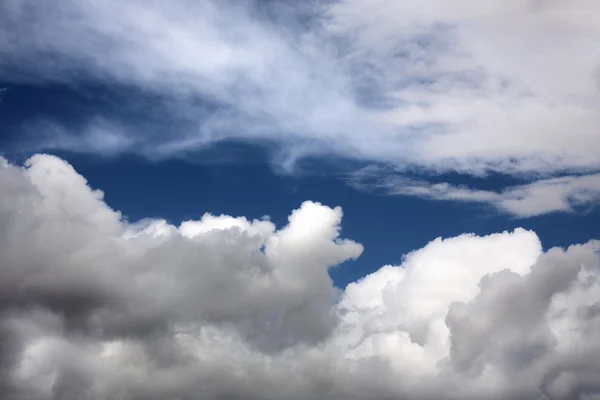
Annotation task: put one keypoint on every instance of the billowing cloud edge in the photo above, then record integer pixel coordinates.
(92, 306)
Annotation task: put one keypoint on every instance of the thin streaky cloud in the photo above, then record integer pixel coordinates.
(463, 91)
(569, 194)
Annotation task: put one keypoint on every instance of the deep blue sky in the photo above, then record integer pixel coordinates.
(387, 226)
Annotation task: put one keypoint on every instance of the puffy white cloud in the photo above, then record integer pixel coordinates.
(219, 268)
(481, 317)
(94, 307)
(399, 312)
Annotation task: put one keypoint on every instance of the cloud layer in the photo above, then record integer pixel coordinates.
(95, 307)
(437, 85)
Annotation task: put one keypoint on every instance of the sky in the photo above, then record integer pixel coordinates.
(271, 199)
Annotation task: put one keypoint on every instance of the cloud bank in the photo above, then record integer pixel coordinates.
(434, 85)
(95, 307)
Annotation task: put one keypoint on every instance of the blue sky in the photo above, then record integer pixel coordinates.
(214, 180)
(342, 199)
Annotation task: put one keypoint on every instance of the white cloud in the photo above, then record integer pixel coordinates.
(563, 194)
(509, 97)
(480, 317)
(463, 90)
(405, 307)
(94, 307)
(267, 82)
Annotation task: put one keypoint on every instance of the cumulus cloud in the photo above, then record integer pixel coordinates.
(563, 194)
(95, 307)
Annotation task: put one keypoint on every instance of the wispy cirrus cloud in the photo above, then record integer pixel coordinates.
(571, 194)
(432, 85)
(264, 81)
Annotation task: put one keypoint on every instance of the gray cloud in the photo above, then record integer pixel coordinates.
(77, 229)
(94, 307)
